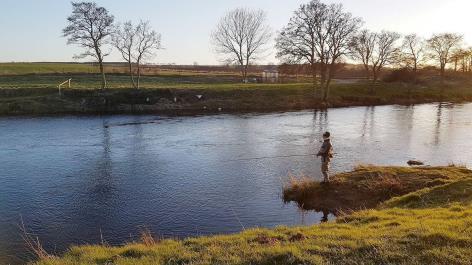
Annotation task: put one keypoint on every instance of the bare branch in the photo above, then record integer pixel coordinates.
(241, 36)
(89, 27)
(440, 46)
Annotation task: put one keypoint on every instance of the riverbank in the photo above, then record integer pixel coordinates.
(367, 186)
(220, 98)
(427, 226)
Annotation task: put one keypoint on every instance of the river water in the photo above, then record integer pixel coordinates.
(75, 179)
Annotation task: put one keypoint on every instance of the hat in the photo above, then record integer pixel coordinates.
(326, 134)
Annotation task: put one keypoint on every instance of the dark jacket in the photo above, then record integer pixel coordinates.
(326, 150)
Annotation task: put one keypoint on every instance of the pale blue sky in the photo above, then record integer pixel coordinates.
(30, 30)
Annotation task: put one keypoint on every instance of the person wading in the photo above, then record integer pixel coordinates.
(326, 153)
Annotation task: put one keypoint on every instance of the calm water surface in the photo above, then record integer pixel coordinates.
(72, 178)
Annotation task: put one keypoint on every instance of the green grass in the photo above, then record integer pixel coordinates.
(42, 68)
(37, 94)
(45, 68)
(368, 186)
(121, 81)
(430, 226)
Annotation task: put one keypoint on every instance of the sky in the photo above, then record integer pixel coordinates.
(30, 30)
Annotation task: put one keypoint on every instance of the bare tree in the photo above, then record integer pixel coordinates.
(135, 44)
(362, 48)
(413, 52)
(123, 39)
(342, 27)
(318, 34)
(89, 27)
(148, 42)
(385, 52)
(440, 47)
(462, 58)
(241, 36)
(299, 41)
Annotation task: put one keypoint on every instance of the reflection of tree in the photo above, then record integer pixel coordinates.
(368, 122)
(440, 120)
(100, 186)
(320, 123)
(437, 130)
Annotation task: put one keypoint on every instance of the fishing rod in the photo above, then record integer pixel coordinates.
(270, 157)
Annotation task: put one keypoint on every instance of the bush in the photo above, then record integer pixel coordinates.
(400, 75)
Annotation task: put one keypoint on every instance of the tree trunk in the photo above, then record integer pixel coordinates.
(367, 72)
(102, 71)
(313, 74)
(131, 74)
(415, 72)
(323, 69)
(326, 90)
(243, 72)
(139, 75)
(374, 80)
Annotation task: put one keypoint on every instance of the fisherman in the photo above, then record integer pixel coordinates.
(326, 153)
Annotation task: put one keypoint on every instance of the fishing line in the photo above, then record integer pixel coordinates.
(267, 157)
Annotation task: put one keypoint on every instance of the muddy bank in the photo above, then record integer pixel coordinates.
(192, 101)
(367, 186)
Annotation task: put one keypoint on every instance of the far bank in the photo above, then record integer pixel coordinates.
(223, 98)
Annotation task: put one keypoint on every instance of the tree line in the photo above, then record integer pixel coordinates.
(321, 36)
(92, 27)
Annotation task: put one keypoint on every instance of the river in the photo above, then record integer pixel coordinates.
(77, 179)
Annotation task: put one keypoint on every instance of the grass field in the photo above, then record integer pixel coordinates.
(8, 69)
(32, 89)
(430, 226)
(45, 68)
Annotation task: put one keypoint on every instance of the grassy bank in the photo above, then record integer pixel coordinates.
(178, 94)
(367, 186)
(429, 226)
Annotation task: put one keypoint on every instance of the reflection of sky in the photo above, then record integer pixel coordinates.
(72, 177)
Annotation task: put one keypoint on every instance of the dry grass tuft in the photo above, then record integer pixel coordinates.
(147, 238)
(33, 244)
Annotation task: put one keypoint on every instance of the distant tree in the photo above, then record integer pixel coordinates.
(362, 48)
(318, 34)
(301, 41)
(90, 26)
(386, 51)
(467, 60)
(136, 43)
(440, 47)
(460, 57)
(148, 42)
(124, 39)
(241, 36)
(413, 52)
(342, 28)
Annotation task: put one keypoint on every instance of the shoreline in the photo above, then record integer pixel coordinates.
(189, 102)
(413, 228)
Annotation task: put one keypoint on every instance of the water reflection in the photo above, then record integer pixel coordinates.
(368, 122)
(437, 131)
